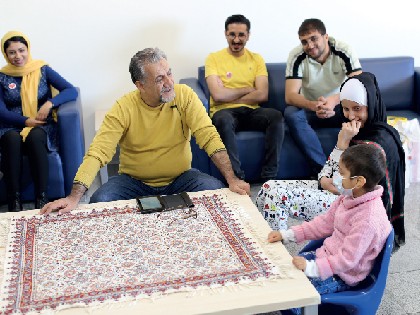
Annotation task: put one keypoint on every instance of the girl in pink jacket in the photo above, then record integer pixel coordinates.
(355, 227)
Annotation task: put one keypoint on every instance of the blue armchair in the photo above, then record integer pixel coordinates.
(64, 163)
(365, 298)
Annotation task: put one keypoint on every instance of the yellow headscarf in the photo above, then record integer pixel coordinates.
(30, 73)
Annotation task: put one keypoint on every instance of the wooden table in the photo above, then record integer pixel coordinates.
(294, 291)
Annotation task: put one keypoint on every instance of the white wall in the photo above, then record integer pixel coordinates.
(90, 42)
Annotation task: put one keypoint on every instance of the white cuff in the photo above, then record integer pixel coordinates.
(311, 269)
(287, 236)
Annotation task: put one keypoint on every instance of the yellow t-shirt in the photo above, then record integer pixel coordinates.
(235, 72)
(154, 142)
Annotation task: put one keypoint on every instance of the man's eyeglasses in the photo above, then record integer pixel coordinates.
(313, 39)
(232, 36)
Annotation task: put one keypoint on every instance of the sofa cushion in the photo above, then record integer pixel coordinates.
(395, 77)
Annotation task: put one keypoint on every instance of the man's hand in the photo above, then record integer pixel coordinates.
(326, 106)
(239, 186)
(44, 111)
(323, 114)
(347, 132)
(222, 94)
(329, 103)
(62, 205)
(274, 236)
(32, 122)
(67, 204)
(299, 262)
(222, 162)
(327, 184)
(315, 106)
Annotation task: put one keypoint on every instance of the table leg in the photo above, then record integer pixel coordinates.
(310, 310)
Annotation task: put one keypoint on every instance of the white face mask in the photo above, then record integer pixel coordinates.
(338, 183)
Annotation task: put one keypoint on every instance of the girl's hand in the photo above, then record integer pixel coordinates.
(44, 111)
(274, 236)
(299, 262)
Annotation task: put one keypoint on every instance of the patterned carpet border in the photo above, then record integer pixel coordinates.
(115, 254)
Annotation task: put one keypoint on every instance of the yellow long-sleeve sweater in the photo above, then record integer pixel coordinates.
(154, 142)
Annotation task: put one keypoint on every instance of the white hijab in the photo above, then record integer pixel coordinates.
(354, 90)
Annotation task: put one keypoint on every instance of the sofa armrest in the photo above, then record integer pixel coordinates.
(195, 85)
(71, 137)
(417, 90)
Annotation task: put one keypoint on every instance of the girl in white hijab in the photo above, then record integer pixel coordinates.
(364, 116)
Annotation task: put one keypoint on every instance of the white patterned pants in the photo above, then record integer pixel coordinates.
(278, 199)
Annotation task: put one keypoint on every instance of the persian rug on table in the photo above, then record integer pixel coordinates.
(99, 256)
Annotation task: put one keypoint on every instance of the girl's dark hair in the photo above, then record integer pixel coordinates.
(19, 39)
(365, 160)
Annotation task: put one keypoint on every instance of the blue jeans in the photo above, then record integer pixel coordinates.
(301, 123)
(329, 285)
(124, 187)
(231, 120)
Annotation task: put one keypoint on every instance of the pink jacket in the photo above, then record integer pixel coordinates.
(356, 231)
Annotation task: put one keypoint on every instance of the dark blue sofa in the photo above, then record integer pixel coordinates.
(398, 80)
(64, 163)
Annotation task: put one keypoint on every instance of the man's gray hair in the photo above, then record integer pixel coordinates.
(142, 58)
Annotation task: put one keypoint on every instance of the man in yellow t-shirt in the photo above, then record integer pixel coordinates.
(153, 126)
(238, 82)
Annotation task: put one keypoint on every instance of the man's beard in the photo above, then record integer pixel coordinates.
(318, 55)
(168, 98)
(238, 49)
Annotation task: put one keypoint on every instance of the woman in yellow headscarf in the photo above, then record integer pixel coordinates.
(26, 123)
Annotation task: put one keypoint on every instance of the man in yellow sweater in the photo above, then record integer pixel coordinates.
(238, 82)
(153, 126)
